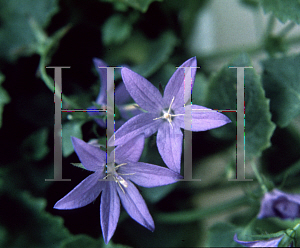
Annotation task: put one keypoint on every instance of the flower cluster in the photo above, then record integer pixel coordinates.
(114, 176)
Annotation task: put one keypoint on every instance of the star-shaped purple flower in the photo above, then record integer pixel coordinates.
(118, 184)
(165, 114)
(280, 204)
(121, 97)
(273, 242)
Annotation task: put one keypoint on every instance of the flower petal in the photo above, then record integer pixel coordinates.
(83, 194)
(131, 150)
(101, 99)
(175, 86)
(202, 118)
(91, 157)
(142, 91)
(149, 175)
(109, 210)
(280, 204)
(140, 124)
(169, 144)
(274, 242)
(121, 94)
(135, 206)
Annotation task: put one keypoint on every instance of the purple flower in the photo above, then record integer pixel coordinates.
(118, 184)
(279, 204)
(121, 97)
(165, 114)
(273, 242)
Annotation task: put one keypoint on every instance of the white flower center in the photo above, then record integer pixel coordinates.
(112, 171)
(166, 114)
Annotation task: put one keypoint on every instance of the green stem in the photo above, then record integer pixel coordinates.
(50, 83)
(198, 214)
(259, 178)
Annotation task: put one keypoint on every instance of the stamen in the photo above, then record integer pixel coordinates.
(167, 115)
(171, 104)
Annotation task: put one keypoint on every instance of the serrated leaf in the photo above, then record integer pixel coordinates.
(221, 94)
(72, 128)
(284, 10)
(116, 30)
(141, 5)
(4, 97)
(16, 35)
(281, 81)
(28, 224)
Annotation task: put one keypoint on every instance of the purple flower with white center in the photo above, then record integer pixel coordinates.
(280, 204)
(273, 242)
(118, 185)
(121, 97)
(165, 114)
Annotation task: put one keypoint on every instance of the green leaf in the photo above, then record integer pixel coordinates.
(80, 165)
(284, 10)
(116, 30)
(16, 35)
(35, 146)
(221, 94)
(147, 55)
(72, 128)
(4, 97)
(221, 235)
(156, 53)
(281, 81)
(28, 224)
(199, 89)
(141, 5)
(155, 194)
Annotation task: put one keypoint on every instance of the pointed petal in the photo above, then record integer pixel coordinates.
(149, 175)
(92, 158)
(280, 204)
(135, 206)
(140, 124)
(131, 150)
(142, 91)
(101, 99)
(175, 86)
(202, 118)
(109, 210)
(121, 94)
(83, 194)
(169, 144)
(273, 242)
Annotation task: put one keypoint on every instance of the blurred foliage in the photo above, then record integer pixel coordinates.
(16, 35)
(283, 10)
(281, 79)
